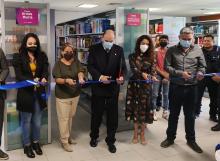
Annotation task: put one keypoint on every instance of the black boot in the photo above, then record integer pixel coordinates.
(37, 148)
(28, 151)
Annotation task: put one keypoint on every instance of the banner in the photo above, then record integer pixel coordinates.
(27, 16)
(133, 19)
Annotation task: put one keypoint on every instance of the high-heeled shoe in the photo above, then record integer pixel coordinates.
(29, 152)
(135, 139)
(142, 134)
(142, 138)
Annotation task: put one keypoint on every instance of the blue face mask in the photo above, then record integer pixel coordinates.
(107, 45)
(185, 43)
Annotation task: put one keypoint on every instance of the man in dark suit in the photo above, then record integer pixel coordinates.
(106, 62)
(3, 75)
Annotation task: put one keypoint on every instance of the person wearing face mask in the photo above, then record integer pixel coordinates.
(31, 63)
(212, 57)
(138, 98)
(67, 71)
(185, 64)
(162, 76)
(106, 62)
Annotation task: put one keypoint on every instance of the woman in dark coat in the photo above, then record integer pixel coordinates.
(138, 99)
(31, 64)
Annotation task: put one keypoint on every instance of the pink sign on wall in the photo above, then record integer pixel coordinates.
(133, 19)
(27, 16)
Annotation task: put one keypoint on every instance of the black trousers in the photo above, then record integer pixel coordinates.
(2, 107)
(99, 106)
(213, 95)
(182, 96)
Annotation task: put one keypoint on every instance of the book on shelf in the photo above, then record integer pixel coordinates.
(59, 31)
(72, 41)
(84, 42)
(92, 26)
(61, 41)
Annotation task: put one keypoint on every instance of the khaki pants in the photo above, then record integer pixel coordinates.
(66, 109)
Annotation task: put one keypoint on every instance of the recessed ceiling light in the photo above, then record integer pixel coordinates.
(211, 13)
(88, 5)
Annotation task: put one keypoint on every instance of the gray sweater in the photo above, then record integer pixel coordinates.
(177, 61)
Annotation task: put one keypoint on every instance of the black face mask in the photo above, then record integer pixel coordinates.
(68, 56)
(32, 49)
(163, 44)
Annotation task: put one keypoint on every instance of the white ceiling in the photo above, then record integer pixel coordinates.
(168, 7)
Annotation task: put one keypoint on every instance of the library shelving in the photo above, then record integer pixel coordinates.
(202, 28)
(167, 25)
(83, 32)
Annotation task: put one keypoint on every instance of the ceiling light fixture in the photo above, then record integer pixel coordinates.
(87, 5)
(211, 13)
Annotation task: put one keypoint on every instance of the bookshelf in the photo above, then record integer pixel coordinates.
(83, 32)
(203, 28)
(167, 25)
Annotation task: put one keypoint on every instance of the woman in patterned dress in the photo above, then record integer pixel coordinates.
(138, 99)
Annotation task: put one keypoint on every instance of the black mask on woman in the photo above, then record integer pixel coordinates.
(68, 56)
(163, 44)
(32, 49)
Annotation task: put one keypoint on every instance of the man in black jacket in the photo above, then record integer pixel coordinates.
(212, 56)
(106, 62)
(3, 74)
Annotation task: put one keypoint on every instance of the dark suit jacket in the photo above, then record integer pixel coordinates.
(102, 63)
(25, 96)
(3, 72)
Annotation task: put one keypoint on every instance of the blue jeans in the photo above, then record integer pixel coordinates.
(30, 124)
(165, 90)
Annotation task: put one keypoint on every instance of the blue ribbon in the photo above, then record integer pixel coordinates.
(113, 81)
(22, 84)
(28, 83)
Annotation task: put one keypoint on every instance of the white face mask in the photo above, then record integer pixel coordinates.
(144, 48)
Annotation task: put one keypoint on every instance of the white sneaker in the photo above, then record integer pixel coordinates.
(165, 115)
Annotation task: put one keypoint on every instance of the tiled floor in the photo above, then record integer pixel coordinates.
(126, 151)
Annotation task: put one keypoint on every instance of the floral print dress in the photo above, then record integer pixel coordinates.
(138, 98)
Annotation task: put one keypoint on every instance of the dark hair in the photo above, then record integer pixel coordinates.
(209, 35)
(164, 37)
(150, 51)
(23, 48)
